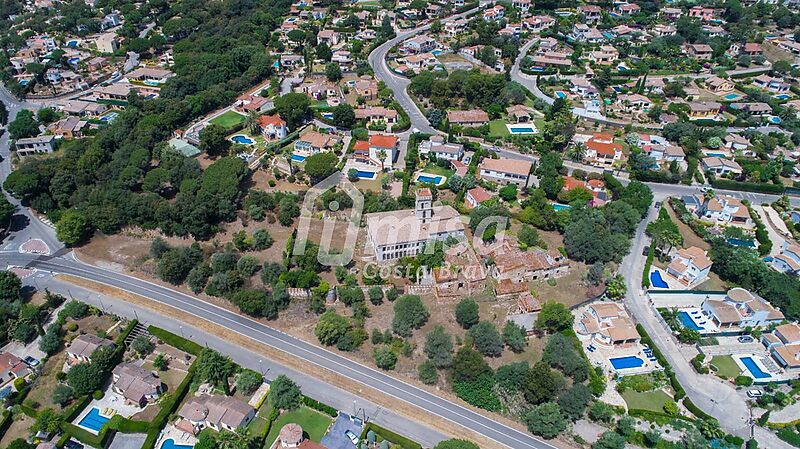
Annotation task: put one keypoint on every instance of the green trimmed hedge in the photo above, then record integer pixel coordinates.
(651, 254)
(392, 437)
(5, 422)
(175, 341)
(86, 437)
(75, 409)
(728, 184)
(696, 410)
(319, 406)
(789, 436)
(680, 393)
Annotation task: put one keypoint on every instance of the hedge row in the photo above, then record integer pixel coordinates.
(653, 416)
(168, 407)
(390, 436)
(175, 341)
(86, 437)
(651, 254)
(5, 422)
(696, 410)
(319, 406)
(790, 436)
(680, 393)
(728, 184)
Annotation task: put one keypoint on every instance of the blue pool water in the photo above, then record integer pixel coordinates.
(731, 96)
(740, 242)
(537, 69)
(561, 94)
(774, 119)
(687, 321)
(169, 443)
(150, 83)
(73, 60)
(781, 96)
(24, 82)
(298, 158)
(716, 154)
(109, 117)
(276, 64)
(630, 361)
(431, 179)
(656, 280)
(557, 207)
(72, 43)
(755, 371)
(244, 140)
(436, 52)
(517, 130)
(366, 174)
(327, 115)
(93, 420)
(617, 88)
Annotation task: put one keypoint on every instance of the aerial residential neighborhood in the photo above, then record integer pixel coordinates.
(400, 224)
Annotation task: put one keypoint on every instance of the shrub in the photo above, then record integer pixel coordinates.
(97, 395)
(743, 381)
(427, 373)
(384, 357)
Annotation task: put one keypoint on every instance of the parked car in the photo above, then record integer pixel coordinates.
(645, 250)
(31, 361)
(755, 393)
(746, 339)
(353, 438)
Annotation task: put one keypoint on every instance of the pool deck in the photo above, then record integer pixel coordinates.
(430, 175)
(179, 436)
(672, 283)
(111, 400)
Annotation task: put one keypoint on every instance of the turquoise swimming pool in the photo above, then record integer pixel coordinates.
(298, 158)
(731, 96)
(363, 174)
(93, 420)
(754, 369)
(561, 94)
(557, 207)
(628, 362)
(656, 280)
(521, 130)
(242, 139)
(431, 179)
(688, 322)
(169, 443)
(150, 83)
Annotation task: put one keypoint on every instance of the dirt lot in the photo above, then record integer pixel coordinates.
(19, 429)
(42, 390)
(689, 237)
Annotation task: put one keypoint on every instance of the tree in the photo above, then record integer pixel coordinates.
(609, 440)
(375, 294)
(72, 227)
(542, 384)
(333, 72)
(331, 327)
(514, 336)
(324, 52)
(284, 394)
(529, 236)
(214, 140)
(249, 381)
(616, 288)
(45, 116)
(48, 421)
(467, 313)
(509, 192)
(321, 165)
(409, 313)
(20, 443)
(601, 412)
(638, 195)
(142, 345)
(24, 125)
(456, 444)
(293, 107)
(344, 116)
(10, 287)
(384, 357)
(573, 402)
(51, 340)
(262, 239)
(352, 175)
(439, 347)
(160, 362)
(487, 339)
(84, 378)
(62, 395)
(76, 309)
(546, 420)
(468, 365)
(427, 373)
(554, 317)
(215, 368)
(626, 426)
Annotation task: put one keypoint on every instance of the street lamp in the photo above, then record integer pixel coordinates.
(181, 329)
(260, 367)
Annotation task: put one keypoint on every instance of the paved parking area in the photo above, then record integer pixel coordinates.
(335, 438)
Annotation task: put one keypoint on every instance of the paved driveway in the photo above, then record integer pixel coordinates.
(335, 438)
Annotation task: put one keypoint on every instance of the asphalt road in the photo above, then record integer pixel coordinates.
(397, 83)
(315, 356)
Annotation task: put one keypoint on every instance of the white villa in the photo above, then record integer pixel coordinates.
(690, 266)
(402, 233)
(788, 261)
(608, 324)
(784, 345)
(740, 309)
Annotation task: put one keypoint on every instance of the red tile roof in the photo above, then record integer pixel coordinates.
(380, 140)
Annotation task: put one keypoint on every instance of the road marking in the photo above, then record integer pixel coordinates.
(347, 366)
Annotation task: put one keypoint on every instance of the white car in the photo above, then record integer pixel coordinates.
(755, 393)
(352, 436)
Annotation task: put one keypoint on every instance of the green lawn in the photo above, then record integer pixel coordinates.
(228, 119)
(437, 170)
(651, 400)
(314, 424)
(726, 366)
(498, 128)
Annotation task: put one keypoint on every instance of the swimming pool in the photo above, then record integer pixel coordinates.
(74, 60)
(93, 420)
(151, 83)
(781, 96)
(298, 158)
(327, 115)
(731, 96)
(169, 443)
(774, 119)
(72, 43)
(630, 361)
(688, 322)
(754, 369)
(24, 82)
(657, 281)
(561, 94)
(244, 140)
(557, 207)
(521, 130)
(741, 242)
(716, 155)
(436, 52)
(431, 179)
(363, 174)
(108, 118)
